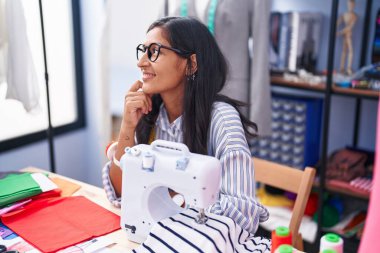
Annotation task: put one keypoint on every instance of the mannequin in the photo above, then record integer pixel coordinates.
(349, 19)
(201, 8)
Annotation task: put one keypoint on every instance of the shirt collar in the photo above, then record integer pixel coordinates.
(162, 122)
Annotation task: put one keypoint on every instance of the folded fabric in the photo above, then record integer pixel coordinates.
(15, 187)
(3, 174)
(346, 186)
(55, 223)
(68, 188)
(362, 183)
(180, 233)
(268, 199)
(280, 216)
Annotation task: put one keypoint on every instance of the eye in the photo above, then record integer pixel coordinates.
(154, 49)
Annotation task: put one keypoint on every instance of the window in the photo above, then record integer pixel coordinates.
(63, 48)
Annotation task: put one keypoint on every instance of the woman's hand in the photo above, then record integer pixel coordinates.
(136, 104)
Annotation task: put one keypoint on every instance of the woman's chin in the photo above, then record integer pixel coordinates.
(147, 90)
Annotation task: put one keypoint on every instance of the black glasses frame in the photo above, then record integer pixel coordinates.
(142, 48)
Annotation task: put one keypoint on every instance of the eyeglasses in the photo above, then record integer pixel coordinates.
(154, 51)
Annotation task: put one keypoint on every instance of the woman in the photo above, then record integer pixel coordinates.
(183, 70)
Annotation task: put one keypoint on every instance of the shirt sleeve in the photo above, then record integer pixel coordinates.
(237, 194)
(108, 187)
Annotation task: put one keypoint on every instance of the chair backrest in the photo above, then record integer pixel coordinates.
(292, 180)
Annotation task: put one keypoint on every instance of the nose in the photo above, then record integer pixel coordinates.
(143, 61)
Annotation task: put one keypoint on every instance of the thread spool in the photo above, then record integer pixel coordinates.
(329, 251)
(280, 236)
(285, 248)
(331, 241)
(148, 161)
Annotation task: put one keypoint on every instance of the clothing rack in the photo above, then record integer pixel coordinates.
(49, 130)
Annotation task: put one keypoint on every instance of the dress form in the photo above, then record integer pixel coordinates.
(199, 7)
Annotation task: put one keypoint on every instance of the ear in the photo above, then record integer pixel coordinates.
(194, 65)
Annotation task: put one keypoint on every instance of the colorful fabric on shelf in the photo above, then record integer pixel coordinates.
(346, 186)
(267, 199)
(55, 223)
(362, 183)
(312, 204)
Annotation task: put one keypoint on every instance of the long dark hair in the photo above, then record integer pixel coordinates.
(189, 34)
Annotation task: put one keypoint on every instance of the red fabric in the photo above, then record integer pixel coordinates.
(55, 223)
(48, 194)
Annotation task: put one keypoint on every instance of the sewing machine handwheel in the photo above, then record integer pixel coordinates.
(169, 145)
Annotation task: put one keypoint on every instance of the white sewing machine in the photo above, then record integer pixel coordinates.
(148, 172)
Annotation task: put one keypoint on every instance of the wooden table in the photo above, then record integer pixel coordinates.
(98, 196)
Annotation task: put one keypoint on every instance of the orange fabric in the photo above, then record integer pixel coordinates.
(68, 188)
(55, 223)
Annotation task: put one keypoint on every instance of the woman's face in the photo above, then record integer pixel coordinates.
(167, 73)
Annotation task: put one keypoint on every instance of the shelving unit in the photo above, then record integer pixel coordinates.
(320, 87)
(328, 90)
(345, 192)
(280, 81)
(359, 93)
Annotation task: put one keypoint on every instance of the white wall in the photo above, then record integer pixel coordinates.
(128, 24)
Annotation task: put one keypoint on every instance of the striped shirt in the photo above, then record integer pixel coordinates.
(220, 234)
(226, 142)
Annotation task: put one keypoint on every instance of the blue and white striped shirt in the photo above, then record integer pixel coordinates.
(228, 143)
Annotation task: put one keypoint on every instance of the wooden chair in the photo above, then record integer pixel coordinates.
(292, 180)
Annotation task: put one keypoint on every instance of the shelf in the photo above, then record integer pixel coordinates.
(347, 191)
(344, 191)
(320, 87)
(356, 92)
(280, 81)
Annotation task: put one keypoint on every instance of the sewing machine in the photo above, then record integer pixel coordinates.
(148, 172)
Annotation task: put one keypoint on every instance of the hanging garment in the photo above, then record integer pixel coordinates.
(16, 63)
(234, 24)
(3, 43)
(180, 233)
(56, 223)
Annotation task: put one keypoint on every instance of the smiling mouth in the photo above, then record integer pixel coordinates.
(147, 76)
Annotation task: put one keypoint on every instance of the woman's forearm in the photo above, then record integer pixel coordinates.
(126, 139)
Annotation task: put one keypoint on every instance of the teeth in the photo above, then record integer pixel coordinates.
(148, 75)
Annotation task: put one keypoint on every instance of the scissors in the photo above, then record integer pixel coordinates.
(3, 249)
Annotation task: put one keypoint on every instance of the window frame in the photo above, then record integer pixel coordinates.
(80, 122)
